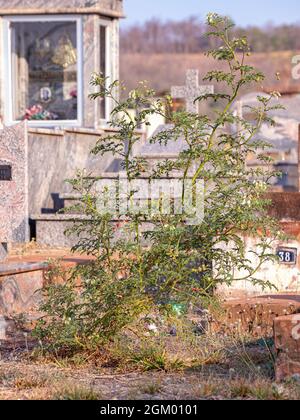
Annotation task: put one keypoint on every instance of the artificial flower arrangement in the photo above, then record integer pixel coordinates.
(37, 112)
(73, 93)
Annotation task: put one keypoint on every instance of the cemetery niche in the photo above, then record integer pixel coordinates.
(50, 51)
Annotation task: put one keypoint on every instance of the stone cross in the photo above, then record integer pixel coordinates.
(191, 91)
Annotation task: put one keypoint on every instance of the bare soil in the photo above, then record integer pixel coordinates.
(245, 374)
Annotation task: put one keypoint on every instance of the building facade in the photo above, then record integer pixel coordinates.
(49, 50)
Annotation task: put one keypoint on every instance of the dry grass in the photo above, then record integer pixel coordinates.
(244, 389)
(75, 393)
(29, 382)
(182, 367)
(152, 388)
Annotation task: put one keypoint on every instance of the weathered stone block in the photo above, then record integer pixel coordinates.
(287, 343)
(20, 286)
(20, 295)
(256, 315)
(287, 334)
(286, 367)
(51, 228)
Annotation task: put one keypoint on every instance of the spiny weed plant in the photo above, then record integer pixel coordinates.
(139, 275)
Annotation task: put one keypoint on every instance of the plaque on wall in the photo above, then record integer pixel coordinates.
(287, 255)
(45, 94)
(5, 173)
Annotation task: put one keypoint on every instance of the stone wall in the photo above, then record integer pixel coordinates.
(285, 207)
(284, 277)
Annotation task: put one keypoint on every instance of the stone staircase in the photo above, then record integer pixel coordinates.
(50, 227)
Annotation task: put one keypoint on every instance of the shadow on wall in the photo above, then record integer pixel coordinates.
(58, 204)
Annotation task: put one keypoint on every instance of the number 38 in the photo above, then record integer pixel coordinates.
(285, 256)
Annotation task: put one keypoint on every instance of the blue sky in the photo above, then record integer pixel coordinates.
(244, 12)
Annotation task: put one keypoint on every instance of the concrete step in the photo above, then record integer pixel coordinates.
(50, 229)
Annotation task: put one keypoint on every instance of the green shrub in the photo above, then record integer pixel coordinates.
(129, 283)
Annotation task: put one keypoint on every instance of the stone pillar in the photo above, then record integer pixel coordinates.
(14, 215)
(90, 65)
(299, 158)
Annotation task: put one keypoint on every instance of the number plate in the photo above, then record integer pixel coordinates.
(5, 173)
(287, 256)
